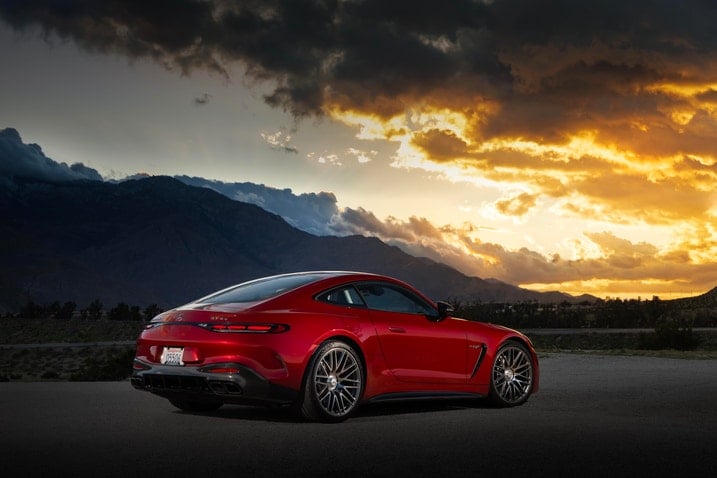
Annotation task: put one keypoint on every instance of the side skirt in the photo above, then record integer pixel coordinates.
(432, 395)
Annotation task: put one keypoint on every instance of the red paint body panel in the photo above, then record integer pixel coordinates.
(401, 352)
(422, 351)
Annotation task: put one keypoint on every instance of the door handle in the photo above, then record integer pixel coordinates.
(398, 330)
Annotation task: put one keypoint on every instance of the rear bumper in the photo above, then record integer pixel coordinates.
(224, 382)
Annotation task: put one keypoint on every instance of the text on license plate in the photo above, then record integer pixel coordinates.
(172, 356)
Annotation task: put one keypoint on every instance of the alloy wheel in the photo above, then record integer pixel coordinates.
(512, 375)
(337, 380)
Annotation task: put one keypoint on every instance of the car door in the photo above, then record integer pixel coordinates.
(416, 345)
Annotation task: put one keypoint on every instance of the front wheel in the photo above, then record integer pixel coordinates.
(511, 378)
(333, 385)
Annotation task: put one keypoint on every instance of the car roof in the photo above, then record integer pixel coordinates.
(314, 278)
(322, 275)
(327, 273)
(317, 281)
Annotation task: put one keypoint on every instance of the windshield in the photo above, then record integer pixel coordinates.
(259, 289)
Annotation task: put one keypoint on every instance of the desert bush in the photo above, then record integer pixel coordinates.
(116, 364)
(670, 333)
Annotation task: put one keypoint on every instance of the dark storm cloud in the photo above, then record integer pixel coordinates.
(377, 53)
(170, 32)
(18, 159)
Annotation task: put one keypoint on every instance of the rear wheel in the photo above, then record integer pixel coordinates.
(195, 406)
(334, 383)
(511, 376)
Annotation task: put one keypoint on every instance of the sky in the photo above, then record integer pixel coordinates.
(554, 145)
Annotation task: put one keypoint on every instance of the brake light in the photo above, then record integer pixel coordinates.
(247, 328)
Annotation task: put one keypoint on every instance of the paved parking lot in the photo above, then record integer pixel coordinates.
(595, 415)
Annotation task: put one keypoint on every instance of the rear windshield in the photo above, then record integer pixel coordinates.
(259, 289)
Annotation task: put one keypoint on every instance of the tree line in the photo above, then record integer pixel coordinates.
(95, 310)
(610, 313)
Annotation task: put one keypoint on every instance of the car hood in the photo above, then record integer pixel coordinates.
(501, 328)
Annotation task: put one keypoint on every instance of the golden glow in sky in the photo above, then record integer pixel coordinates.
(595, 181)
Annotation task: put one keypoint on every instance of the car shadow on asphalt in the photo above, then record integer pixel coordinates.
(287, 414)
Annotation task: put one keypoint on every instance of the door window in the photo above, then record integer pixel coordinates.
(392, 298)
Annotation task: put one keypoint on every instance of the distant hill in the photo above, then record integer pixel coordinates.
(708, 300)
(157, 240)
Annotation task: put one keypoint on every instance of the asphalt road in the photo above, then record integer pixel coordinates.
(595, 416)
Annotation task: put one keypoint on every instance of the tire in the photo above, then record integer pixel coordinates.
(511, 379)
(195, 406)
(333, 385)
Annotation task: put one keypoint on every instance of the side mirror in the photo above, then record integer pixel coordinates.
(444, 309)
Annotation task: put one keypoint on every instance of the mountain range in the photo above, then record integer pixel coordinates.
(158, 240)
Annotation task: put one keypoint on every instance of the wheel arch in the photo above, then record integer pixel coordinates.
(314, 407)
(354, 344)
(346, 339)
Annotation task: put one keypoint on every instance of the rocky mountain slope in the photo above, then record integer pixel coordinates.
(157, 240)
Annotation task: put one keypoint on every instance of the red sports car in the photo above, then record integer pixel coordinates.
(326, 342)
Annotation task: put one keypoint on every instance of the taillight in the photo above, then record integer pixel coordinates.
(247, 328)
(137, 365)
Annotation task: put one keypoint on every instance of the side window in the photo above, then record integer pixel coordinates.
(393, 299)
(347, 296)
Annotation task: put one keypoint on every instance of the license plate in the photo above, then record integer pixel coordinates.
(172, 356)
